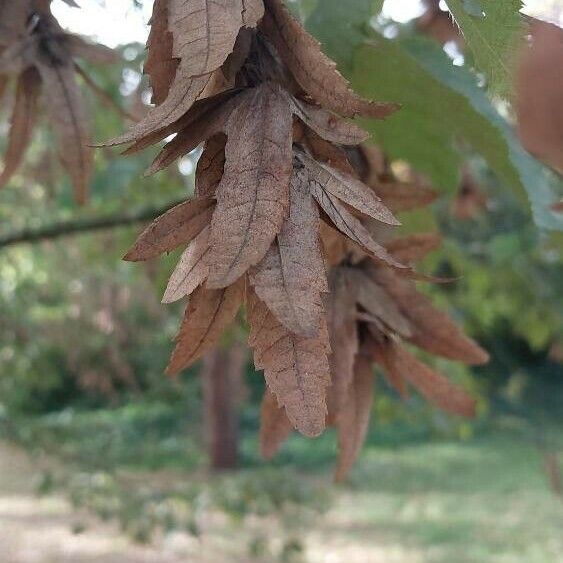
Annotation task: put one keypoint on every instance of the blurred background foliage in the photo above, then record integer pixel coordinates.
(84, 339)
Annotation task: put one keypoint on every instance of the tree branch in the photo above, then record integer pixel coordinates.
(83, 226)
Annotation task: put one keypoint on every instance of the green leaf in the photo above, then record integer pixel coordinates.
(473, 8)
(442, 105)
(302, 9)
(493, 38)
(341, 27)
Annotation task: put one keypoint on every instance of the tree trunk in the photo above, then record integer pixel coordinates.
(222, 381)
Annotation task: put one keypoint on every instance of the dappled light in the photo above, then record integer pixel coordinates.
(281, 281)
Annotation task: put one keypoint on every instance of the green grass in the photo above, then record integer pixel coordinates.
(415, 495)
(480, 501)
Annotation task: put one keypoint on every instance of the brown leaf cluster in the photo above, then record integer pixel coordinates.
(39, 57)
(374, 314)
(291, 217)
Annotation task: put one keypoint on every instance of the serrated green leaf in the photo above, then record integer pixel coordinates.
(442, 104)
(473, 8)
(493, 38)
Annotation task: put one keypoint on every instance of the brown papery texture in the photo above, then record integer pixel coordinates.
(292, 209)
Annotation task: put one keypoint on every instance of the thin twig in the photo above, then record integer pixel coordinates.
(84, 226)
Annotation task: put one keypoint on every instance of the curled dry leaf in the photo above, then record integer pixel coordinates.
(312, 69)
(22, 122)
(209, 313)
(203, 36)
(192, 269)
(292, 275)
(431, 384)
(348, 189)
(161, 65)
(344, 338)
(253, 195)
(432, 330)
(414, 247)
(353, 423)
(352, 227)
(295, 367)
(402, 196)
(327, 124)
(177, 226)
(377, 302)
(275, 427)
(68, 116)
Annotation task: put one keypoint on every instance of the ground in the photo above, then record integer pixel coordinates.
(486, 500)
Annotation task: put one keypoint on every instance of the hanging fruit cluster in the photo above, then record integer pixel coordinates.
(40, 57)
(282, 222)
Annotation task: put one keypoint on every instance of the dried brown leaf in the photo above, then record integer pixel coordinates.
(204, 33)
(292, 275)
(352, 227)
(326, 152)
(209, 313)
(210, 166)
(161, 65)
(202, 128)
(295, 367)
(13, 20)
(353, 423)
(432, 330)
(18, 57)
(414, 247)
(402, 196)
(22, 122)
(376, 301)
(348, 189)
(177, 226)
(199, 109)
(191, 271)
(252, 12)
(69, 119)
(312, 69)
(334, 243)
(431, 384)
(253, 196)
(378, 344)
(159, 119)
(344, 339)
(275, 427)
(328, 125)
